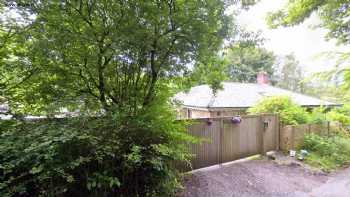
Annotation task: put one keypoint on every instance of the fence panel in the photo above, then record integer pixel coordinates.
(226, 141)
(241, 140)
(206, 153)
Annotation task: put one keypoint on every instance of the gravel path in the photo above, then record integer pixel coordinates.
(260, 178)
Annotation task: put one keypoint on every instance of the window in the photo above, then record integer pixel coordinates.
(218, 113)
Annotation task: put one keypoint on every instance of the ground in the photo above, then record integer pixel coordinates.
(266, 178)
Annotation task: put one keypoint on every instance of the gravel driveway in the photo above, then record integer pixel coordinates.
(265, 178)
(338, 184)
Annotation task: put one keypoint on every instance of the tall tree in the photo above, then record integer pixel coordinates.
(102, 54)
(15, 68)
(246, 60)
(289, 74)
(212, 73)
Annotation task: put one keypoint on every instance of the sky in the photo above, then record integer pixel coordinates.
(307, 43)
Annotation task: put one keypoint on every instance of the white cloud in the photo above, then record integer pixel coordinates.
(305, 42)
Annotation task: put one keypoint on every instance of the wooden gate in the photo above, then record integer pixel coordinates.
(225, 141)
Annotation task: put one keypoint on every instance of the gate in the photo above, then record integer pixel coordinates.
(225, 141)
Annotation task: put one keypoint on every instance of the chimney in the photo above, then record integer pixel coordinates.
(262, 78)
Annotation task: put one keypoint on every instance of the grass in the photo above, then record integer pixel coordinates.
(327, 153)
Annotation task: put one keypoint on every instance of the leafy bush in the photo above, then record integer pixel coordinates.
(341, 115)
(290, 113)
(327, 153)
(334, 115)
(116, 155)
(318, 115)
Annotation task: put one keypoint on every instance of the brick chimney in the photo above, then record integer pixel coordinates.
(262, 78)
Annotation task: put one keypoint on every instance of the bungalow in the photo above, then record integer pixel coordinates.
(235, 98)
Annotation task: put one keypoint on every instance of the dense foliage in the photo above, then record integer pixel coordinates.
(246, 60)
(336, 114)
(327, 153)
(212, 73)
(241, 58)
(114, 155)
(102, 55)
(318, 115)
(111, 60)
(341, 115)
(289, 112)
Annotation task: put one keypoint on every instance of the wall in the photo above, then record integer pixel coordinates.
(193, 113)
(226, 113)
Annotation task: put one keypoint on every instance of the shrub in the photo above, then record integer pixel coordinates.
(341, 115)
(318, 115)
(290, 113)
(115, 155)
(327, 153)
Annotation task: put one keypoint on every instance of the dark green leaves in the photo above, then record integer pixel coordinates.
(99, 54)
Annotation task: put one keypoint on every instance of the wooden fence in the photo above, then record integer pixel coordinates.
(226, 141)
(291, 136)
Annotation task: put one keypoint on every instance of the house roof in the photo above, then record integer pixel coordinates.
(241, 95)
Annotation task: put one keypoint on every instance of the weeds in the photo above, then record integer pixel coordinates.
(327, 153)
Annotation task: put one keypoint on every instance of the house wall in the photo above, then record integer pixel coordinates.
(199, 114)
(181, 113)
(225, 113)
(191, 112)
(186, 113)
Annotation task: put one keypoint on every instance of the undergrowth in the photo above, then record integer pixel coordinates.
(327, 153)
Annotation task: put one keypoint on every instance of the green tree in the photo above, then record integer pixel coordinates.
(99, 54)
(212, 73)
(290, 112)
(15, 68)
(288, 74)
(246, 57)
(114, 60)
(325, 89)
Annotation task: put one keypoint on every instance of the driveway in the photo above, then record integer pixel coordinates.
(265, 178)
(337, 185)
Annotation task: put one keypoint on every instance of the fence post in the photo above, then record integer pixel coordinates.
(221, 140)
(278, 130)
(328, 125)
(261, 134)
(293, 137)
